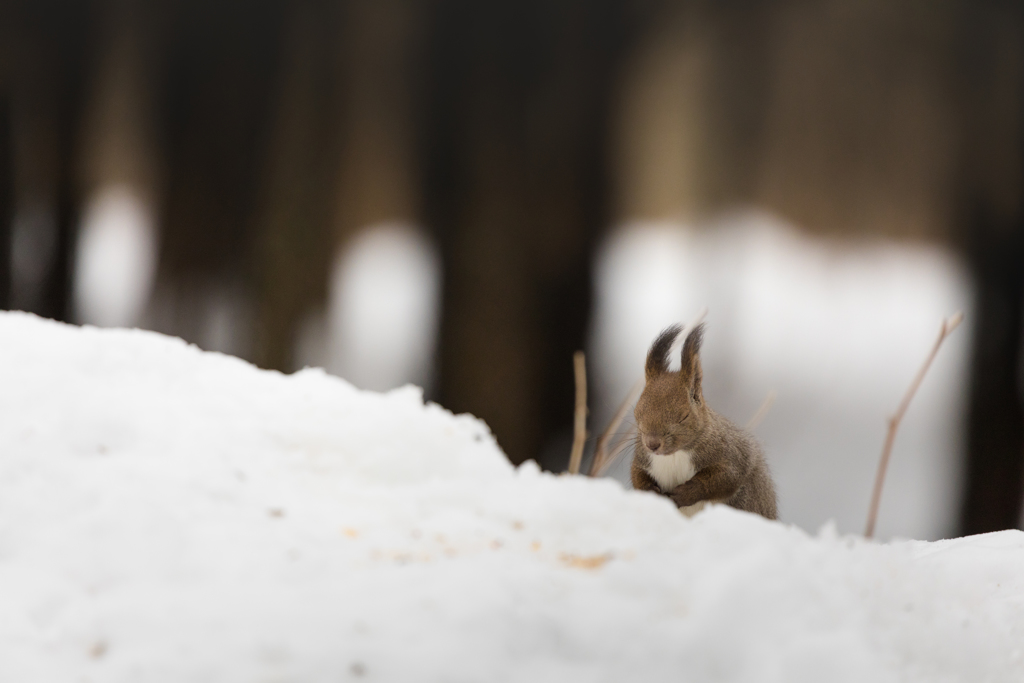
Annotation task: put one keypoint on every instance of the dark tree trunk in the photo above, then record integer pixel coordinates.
(6, 199)
(992, 236)
(220, 67)
(995, 463)
(292, 243)
(56, 300)
(56, 53)
(515, 177)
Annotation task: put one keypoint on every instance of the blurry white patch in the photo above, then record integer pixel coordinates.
(672, 470)
(839, 313)
(837, 329)
(115, 259)
(643, 285)
(383, 308)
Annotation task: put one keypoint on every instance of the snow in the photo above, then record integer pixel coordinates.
(383, 305)
(115, 257)
(168, 514)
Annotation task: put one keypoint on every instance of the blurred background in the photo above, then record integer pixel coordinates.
(461, 193)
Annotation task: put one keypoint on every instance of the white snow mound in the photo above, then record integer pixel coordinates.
(173, 515)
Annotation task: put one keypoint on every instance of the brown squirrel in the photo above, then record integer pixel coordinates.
(685, 450)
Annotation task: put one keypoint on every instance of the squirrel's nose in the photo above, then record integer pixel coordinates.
(653, 443)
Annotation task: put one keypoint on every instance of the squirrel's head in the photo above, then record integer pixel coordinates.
(670, 414)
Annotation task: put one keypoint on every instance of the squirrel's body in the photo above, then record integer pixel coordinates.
(688, 452)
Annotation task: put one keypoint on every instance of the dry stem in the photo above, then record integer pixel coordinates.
(894, 422)
(579, 432)
(601, 450)
(766, 405)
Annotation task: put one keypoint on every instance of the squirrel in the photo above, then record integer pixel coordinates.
(685, 450)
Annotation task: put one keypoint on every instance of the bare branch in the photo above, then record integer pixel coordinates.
(579, 432)
(894, 422)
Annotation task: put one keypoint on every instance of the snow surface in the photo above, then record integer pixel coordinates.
(173, 515)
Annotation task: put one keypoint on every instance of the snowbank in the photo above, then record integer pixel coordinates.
(173, 515)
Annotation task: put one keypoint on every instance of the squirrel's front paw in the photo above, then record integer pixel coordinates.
(684, 496)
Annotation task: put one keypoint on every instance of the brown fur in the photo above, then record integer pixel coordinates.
(671, 414)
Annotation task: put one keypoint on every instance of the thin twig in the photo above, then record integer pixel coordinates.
(579, 432)
(766, 405)
(894, 422)
(600, 450)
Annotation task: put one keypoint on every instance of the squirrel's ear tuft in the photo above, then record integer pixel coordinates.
(690, 371)
(657, 357)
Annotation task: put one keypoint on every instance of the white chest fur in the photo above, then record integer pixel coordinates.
(671, 470)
